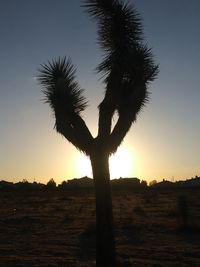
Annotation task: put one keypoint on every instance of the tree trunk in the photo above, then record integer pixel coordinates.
(105, 242)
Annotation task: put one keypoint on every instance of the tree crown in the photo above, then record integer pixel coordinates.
(127, 68)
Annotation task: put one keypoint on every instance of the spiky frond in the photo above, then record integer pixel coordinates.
(120, 35)
(119, 29)
(98, 7)
(65, 97)
(61, 90)
(119, 23)
(127, 67)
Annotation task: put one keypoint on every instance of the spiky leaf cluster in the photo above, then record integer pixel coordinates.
(65, 97)
(120, 36)
(61, 90)
(127, 68)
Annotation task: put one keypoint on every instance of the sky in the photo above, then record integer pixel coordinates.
(163, 143)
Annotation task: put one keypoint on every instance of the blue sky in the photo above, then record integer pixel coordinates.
(165, 138)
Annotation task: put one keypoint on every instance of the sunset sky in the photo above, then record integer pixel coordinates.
(163, 143)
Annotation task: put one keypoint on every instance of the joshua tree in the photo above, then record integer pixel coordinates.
(127, 68)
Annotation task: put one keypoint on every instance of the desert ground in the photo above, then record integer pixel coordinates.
(153, 228)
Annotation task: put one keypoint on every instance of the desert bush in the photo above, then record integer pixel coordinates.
(183, 210)
(51, 184)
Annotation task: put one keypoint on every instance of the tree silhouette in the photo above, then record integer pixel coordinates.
(127, 69)
(51, 184)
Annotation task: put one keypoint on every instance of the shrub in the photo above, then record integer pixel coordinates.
(183, 210)
(51, 184)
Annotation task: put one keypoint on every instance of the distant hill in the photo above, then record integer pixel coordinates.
(192, 182)
(86, 182)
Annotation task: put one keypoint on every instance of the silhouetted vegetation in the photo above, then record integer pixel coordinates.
(127, 68)
(51, 184)
(86, 183)
(183, 210)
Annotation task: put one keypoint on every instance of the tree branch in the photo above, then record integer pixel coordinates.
(128, 110)
(67, 101)
(119, 132)
(109, 104)
(75, 131)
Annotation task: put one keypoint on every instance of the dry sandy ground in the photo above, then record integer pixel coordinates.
(58, 229)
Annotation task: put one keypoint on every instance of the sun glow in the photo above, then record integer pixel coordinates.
(121, 164)
(83, 166)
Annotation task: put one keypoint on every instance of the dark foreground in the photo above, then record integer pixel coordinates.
(153, 228)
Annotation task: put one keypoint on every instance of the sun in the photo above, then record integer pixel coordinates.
(121, 164)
